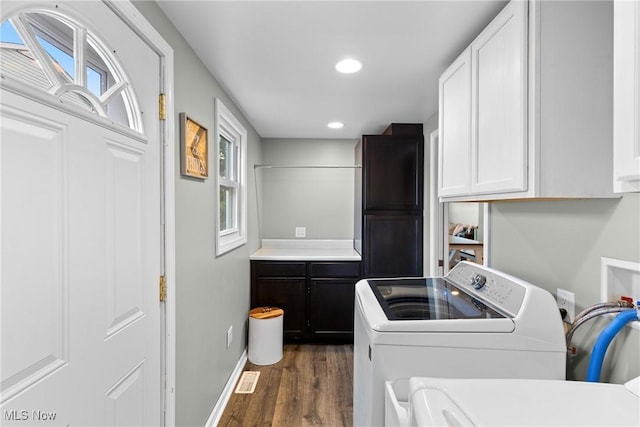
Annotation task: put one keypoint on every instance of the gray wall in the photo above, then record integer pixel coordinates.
(319, 199)
(558, 244)
(211, 293)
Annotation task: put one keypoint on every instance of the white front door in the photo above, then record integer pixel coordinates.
(81, 251)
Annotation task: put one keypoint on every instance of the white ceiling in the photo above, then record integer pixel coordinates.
(276, 58)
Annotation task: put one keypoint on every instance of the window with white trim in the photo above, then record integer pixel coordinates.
(231, 144)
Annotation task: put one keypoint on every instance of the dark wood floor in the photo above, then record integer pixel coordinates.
(311, 386)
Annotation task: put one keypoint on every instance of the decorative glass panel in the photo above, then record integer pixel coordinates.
(40, 49)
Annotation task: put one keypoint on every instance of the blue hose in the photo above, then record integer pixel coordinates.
(603, 341)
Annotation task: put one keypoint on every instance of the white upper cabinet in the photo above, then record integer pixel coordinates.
(454, 158)
(499, 113)
(626, 96)
(538, 108)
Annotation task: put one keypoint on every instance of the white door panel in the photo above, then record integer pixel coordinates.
(33, 243)
(81, 254)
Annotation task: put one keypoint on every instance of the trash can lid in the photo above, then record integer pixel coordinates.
(266, 312)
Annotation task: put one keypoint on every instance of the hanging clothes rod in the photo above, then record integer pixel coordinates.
(307, 166)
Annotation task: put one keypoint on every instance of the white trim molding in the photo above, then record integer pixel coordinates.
(132, 16)
(221, 404)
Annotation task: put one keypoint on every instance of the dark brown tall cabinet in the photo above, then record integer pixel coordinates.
(388, 229)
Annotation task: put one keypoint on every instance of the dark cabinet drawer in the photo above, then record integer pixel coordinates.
(280, 269)
(334, 269)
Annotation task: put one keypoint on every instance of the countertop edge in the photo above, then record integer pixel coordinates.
(305, 250)
(305, 258)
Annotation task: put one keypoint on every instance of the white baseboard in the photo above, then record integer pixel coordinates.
(216, 414)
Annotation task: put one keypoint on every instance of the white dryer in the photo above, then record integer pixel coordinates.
(475, 322)
(517, 402)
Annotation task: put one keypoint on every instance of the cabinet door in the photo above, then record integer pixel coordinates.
(626, 96)
(394, 245)
(454, 146)
(499, 103)
(287, 294)
(392, 172)
(331, 308)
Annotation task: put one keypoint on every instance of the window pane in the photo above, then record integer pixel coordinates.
(223, 208)
(227, 208)
(226, 154)
(117, 111)
(94, 82)
(18, 61)
(236, 164)
(8, 34)
(56, 38)
(77, 100)
(99, 77)
(62, 61)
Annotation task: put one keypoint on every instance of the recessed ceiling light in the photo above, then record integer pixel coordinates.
(349, 66)
(335, 125)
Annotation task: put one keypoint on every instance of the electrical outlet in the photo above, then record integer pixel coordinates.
(567, 300)
(229, 336)
(301, 231)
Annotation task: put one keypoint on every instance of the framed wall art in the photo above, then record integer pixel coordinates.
(194, 148)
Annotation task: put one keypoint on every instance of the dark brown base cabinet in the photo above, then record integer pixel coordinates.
(317, 296)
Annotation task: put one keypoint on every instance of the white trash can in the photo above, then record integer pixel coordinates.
(265, 335)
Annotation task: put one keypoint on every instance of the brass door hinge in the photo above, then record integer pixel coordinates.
(163, 107)
(163, 288)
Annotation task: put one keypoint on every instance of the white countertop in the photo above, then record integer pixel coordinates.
(305, 250)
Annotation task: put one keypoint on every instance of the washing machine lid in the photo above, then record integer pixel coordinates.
(433, 298)
(370, 309)
(483, 402)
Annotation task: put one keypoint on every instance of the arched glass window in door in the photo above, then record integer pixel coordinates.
(58, 55)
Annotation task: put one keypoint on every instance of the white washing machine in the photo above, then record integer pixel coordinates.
(475, 322)
(516, 402)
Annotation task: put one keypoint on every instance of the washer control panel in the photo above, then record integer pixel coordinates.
(501, 291)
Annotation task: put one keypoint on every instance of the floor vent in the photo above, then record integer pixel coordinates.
(247, 383)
